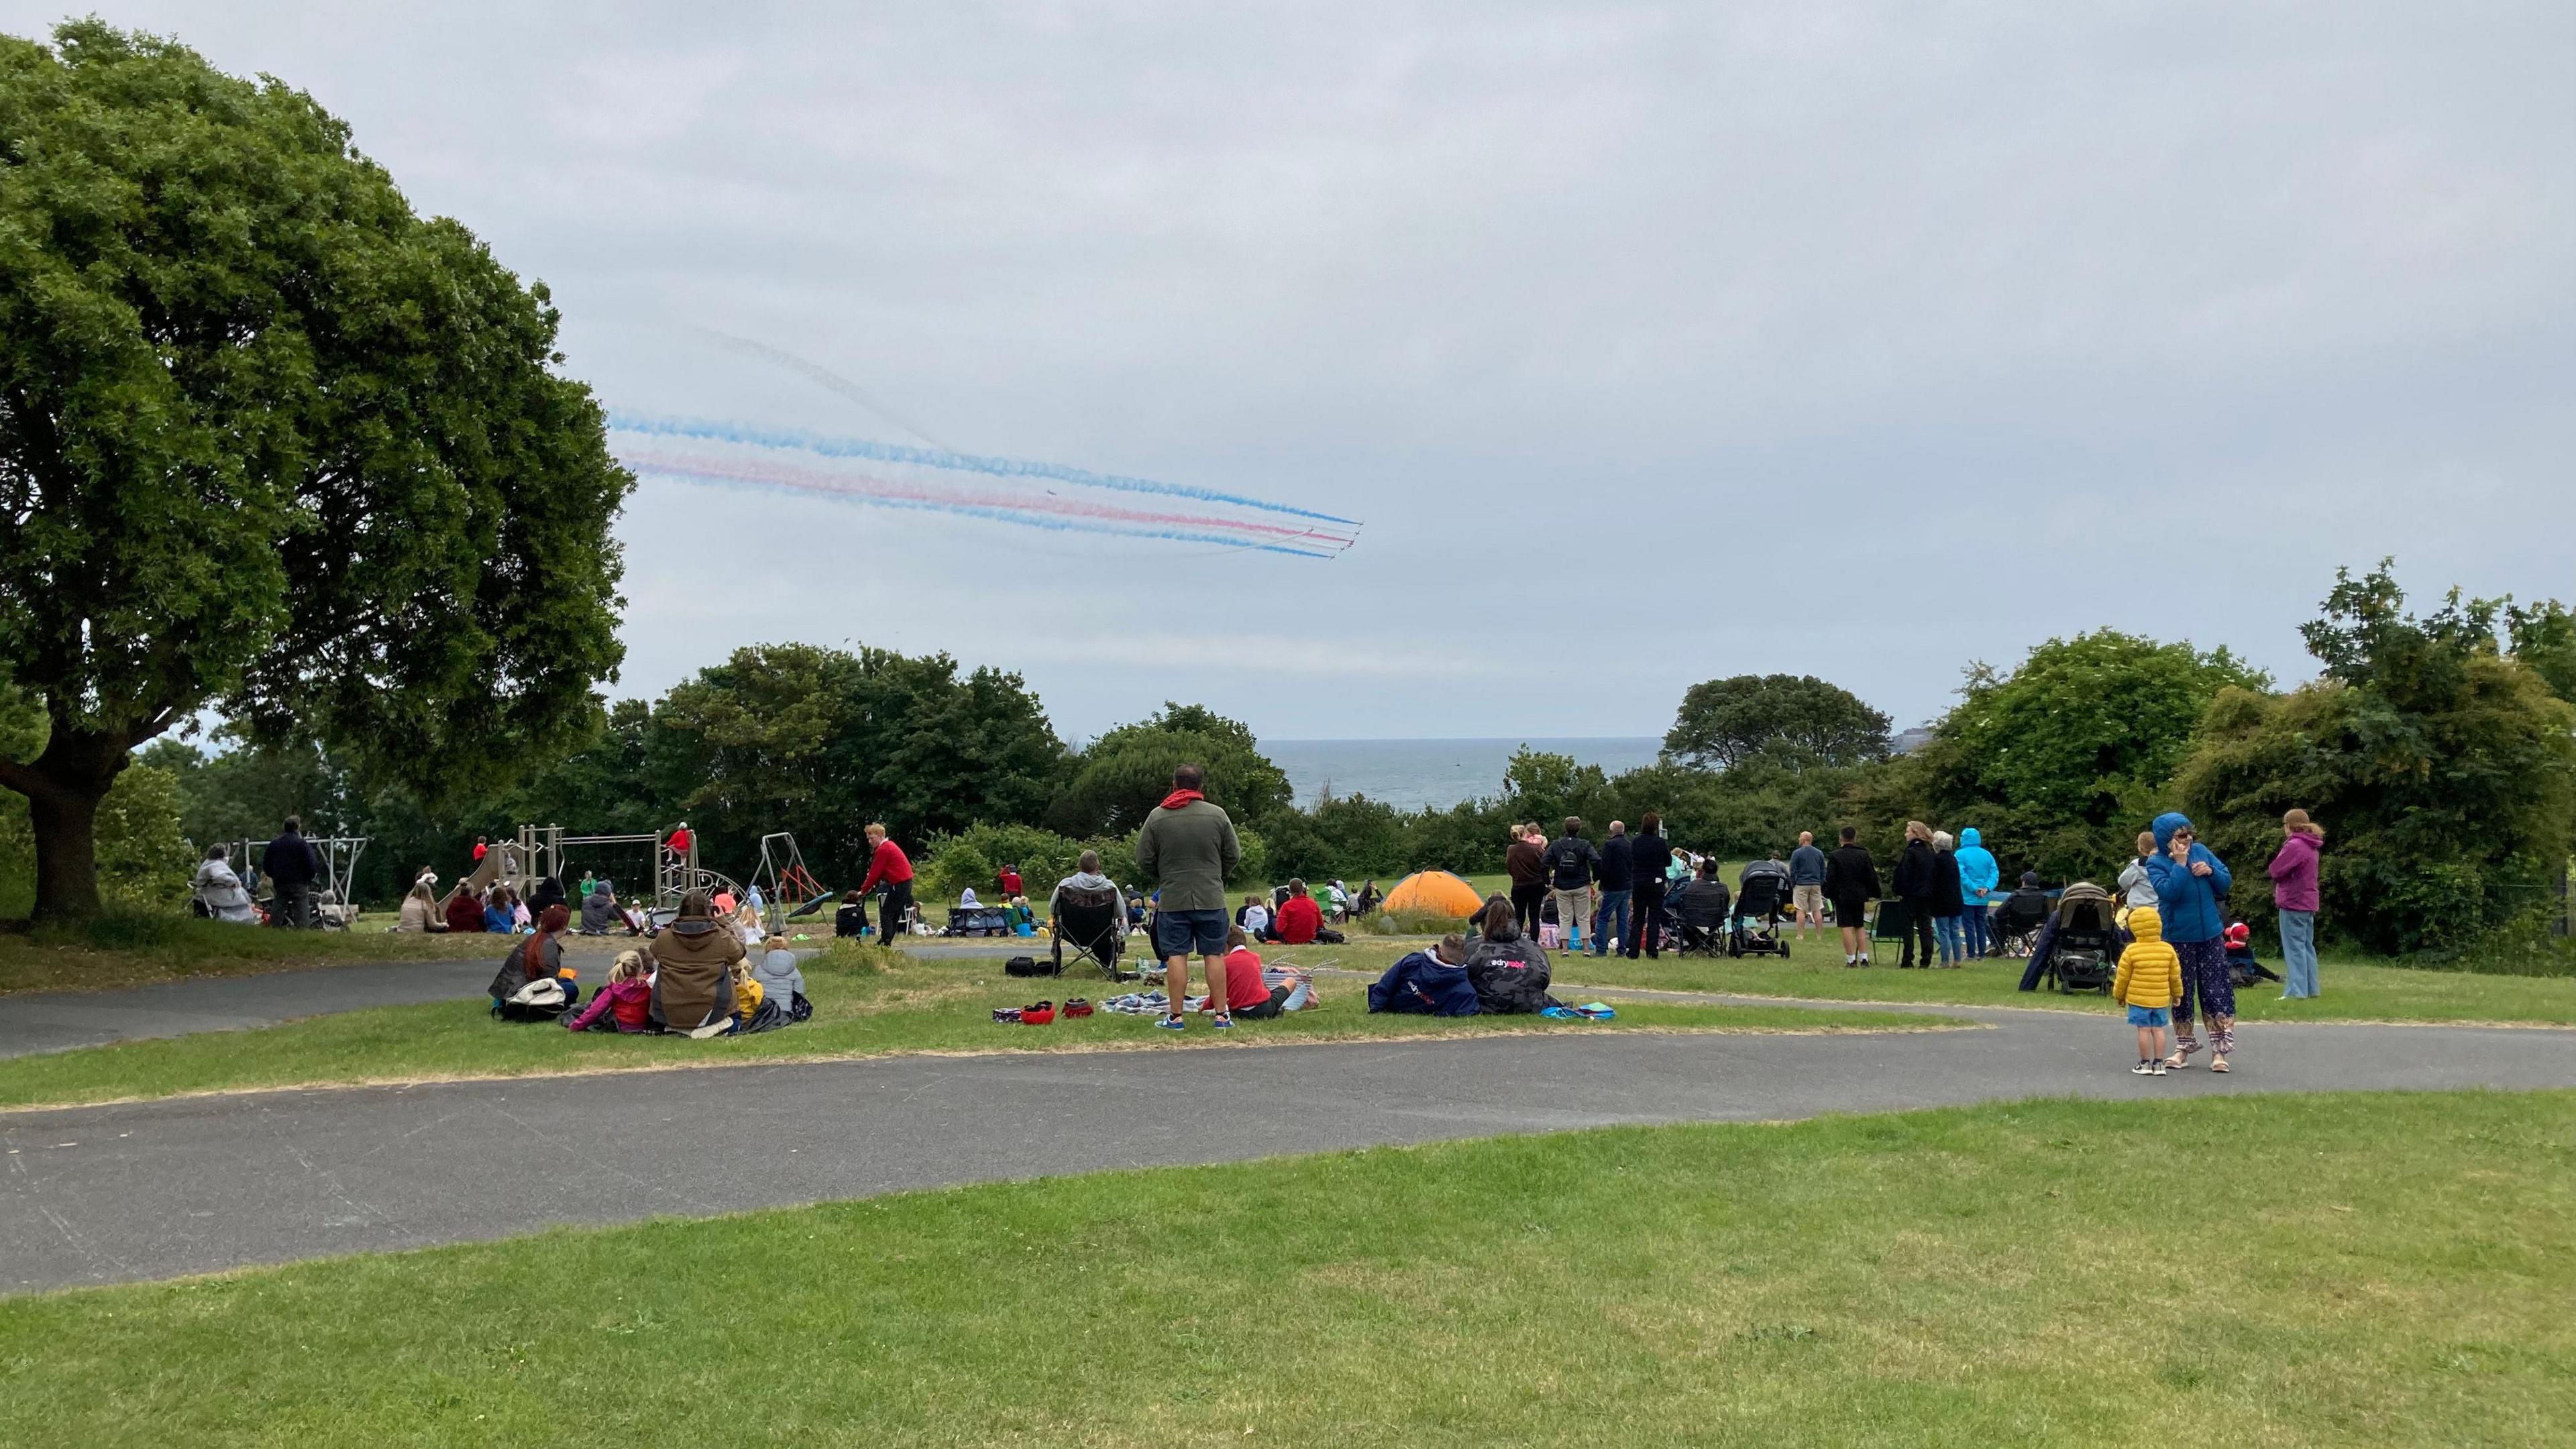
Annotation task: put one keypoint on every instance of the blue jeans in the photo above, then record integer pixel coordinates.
(1975, 921)
(1948, 930)
(2299, 953)
(1614, 921)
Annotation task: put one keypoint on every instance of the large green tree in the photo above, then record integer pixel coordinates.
(2437, 757)
(1120, 777)
(821, 742)
(1793, 719)
(271, 444)
(2060, 763)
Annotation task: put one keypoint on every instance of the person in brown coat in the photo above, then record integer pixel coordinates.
(693, 968)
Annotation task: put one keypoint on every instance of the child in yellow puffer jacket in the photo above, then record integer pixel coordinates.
(746, 994)
(2149, 983)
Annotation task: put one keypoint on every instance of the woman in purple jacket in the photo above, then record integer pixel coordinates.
(2294, 891)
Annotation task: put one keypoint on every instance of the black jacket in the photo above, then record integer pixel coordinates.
(1570, 859)
(1850, 874)
(1914, 871)
(289, 861)
(1650, 856)
(1617, 870)
(1509, 976)
(1949, 898)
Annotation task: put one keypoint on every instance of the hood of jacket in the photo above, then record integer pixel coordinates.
(2146, 924)
(2165, 826)
(1970, 836)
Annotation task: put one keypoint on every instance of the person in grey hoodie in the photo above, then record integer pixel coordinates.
(780, 979)
(1187, 847)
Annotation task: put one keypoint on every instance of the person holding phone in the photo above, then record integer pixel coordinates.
(2190, 881)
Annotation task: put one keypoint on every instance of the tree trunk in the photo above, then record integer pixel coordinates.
(64, 786)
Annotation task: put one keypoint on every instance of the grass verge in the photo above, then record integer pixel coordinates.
(137, 948)
(866, 1003)
(1815, 970)
(2036, 1274)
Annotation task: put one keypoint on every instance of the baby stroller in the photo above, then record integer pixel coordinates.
(2084, 951)
(1754, 930)
(1700, 911)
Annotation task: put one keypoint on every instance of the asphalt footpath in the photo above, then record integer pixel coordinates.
(194, 1185)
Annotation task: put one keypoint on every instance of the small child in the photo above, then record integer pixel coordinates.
(623, 1004)
(2149, 983)
(746, 994)
(778, 976)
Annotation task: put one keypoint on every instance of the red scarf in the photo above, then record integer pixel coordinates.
(1179, 798)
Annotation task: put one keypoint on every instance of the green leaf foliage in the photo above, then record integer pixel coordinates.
(1792, 719)
(2062, 762)
(1120, 777)
(2442, 768)
(144, 860)
(272, 443)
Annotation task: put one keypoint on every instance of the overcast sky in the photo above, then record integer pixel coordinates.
(1653, 342)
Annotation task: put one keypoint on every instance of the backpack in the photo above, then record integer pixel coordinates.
(1026, 966)
(541, 1000)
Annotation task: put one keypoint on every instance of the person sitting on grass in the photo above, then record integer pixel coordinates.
(692, 962)
(420, 911)
(1254, 918)
(599, 913)
(625, 1004)
(465, 913)
(1428, 983)
(850, 922)
(753, 1011)
(548, 892)
(1255, 992)
(499, 916)
(1507, 969)
(539, 958)
(1299, 917)
(2149, 982)
(780, 978)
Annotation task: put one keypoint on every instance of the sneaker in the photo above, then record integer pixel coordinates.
(1223, 1022)
(2160, 1069)
(2143, 1069)
(1172, 1023)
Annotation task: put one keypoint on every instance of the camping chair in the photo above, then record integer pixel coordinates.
(2016, 925)
(1894, 918)
(1094, 923)
(1702, 911)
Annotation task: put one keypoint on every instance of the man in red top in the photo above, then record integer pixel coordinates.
(1299, 917)
(1010, 882)
(890, 867)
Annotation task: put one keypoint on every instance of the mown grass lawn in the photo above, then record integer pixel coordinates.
(135, 949)
(867, 1002)
(2364, 1269)
(1815, 970)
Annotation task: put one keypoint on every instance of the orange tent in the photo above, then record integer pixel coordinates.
(1435, 893)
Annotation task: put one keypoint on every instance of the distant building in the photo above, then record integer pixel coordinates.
(1906, 742)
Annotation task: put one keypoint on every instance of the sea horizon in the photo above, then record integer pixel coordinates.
(1416, 773)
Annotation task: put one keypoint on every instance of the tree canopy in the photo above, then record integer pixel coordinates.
(1793, 720)
(271, 444)
(1120, 777)
(2439, 761)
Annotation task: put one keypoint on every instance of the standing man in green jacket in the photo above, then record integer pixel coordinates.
(1187, 849)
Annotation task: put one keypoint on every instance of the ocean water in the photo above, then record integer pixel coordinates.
(1434, 774)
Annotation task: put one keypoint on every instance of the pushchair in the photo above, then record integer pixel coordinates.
(1093, 923)
(1700, 911)
(2084, 950)
(1754, 928)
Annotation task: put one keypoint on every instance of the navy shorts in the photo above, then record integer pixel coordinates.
(1187, 933)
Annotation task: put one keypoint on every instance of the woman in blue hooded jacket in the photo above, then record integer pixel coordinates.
(2189, 880)
(1978, 876)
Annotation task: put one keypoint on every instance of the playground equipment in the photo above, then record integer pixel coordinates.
(332, 908)
(787, 889)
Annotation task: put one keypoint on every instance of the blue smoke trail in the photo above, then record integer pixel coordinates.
(683, 474)
(943, 458)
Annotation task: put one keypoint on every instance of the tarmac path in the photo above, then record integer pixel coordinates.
(193, 1185)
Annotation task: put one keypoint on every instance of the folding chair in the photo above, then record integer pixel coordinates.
(1094, 923)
